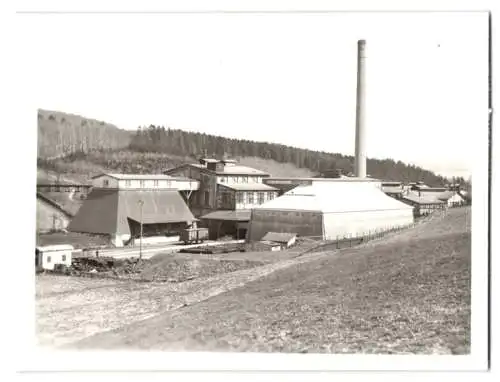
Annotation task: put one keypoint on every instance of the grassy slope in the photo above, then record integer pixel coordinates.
(410, 294)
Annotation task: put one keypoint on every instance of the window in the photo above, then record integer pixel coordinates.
(260, 197)
(105, 183)
(250, 198)
(128, 183)
(239, 197)
(244, 179)
(155, 183)
(207, 198)
(49, 259)
(63, 257)
(141, 183)
(222, 179)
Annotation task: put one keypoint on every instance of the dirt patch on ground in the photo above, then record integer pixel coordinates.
(179, 270)
(166, 268)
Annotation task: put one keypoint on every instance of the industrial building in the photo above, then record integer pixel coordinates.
(423, 204)
(227, 192)
(330, 209)
(119, 203)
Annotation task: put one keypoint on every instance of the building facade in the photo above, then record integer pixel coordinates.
(141, 181)
(227, 192)
(225, 185)
(119, 205)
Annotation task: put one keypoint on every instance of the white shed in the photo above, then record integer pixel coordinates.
(47, 257)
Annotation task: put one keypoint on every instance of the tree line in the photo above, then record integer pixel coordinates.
(62, 135)
(178, 142)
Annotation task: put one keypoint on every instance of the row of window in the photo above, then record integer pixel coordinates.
(239, 179)
(142, 183)
(249, 197)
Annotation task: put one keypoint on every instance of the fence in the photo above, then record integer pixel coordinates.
(341, 242)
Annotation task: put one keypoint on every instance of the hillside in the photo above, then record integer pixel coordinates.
(78, 145)
(60, 134)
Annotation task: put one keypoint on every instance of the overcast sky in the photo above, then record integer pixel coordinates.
(285, 78)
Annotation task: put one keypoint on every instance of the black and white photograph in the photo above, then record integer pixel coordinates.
(257, 182)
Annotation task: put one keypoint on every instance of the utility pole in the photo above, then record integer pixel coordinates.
(141, 204)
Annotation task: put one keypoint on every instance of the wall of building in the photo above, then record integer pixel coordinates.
(303, 223)
(228, 199)
(145, 183)
(455, 200)
(246, 200)
(50, 259)
(204, 199)
(110, 182)
(236, 179)
(105, 181)
(363, 223)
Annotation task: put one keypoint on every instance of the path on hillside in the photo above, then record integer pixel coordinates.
(62, 320)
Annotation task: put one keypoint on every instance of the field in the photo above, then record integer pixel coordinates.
(405, 293)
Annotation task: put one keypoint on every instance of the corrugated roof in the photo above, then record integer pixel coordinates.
(335, 197)
(107, 211)
(278, 237)
(248, 186)
(232, 215)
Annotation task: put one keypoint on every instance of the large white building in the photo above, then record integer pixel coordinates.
(330, 210)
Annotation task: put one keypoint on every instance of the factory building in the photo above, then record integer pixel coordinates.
(227, 192)
(330, 210)
(119, 203)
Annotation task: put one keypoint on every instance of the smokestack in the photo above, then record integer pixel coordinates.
(360, 150)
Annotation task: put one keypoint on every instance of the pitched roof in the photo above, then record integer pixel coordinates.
(98, 214)
(231, 215)
(248, 186)
(140, 176)
(231, 170)
(335, 197)
(423, 199)
(278, 237)
(107, 211)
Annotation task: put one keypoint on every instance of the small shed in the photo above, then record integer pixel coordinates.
(47, 257)
(283, 238)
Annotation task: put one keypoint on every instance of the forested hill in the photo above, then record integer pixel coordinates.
(178, 142)
(62, 135)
